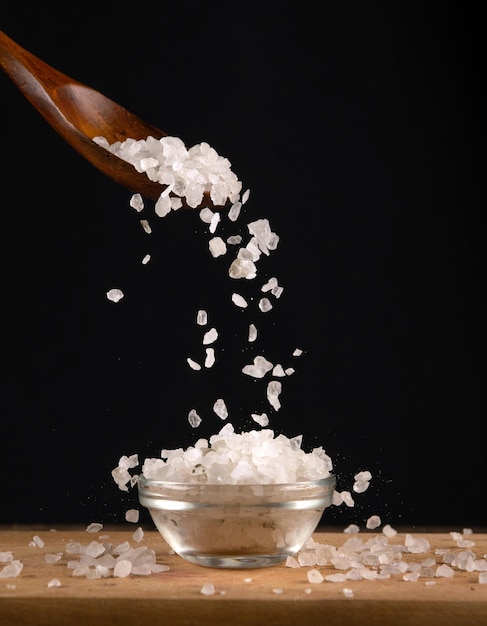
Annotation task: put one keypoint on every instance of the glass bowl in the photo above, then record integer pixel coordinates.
(236, 526)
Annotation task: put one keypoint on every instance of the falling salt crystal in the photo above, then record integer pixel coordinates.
(265, 305)
(115, 295)
(138, 535)
(220, 409)
(208, 589)
(146, 259)
(315, 576)
(374, 521)
(122, 568)
(217, 247)
(234, 211)
(347, 498)
(194, 419)
(297, 352)
(205, 215)
(245, 196)
(146, 226)
(202, 317)
(278, 371)
(210, 336)
(242, 268)
(259, 368)
(210, 357)
(252, 333)
(132, 515)
(274, 389)
(239, 300)
(136, 202)
(193, 364)
(352, 528)
(262, 419)
(389, 531)
(94, 527)
(215, 220)
(234, 240)
(12, 570)
(270, 284)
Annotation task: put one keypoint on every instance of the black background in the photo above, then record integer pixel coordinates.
(358, 128)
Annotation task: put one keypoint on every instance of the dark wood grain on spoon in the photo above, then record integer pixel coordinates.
(79, 113)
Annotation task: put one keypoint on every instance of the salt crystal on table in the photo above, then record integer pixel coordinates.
(202, 317)
(132, 515)
(389, 531)
(52, 558)
(54, 582)
(6, 557)
(208, 589)
(194, 419)
(210, 357)
(252, 333)
(277, 590)
(352, 528)
(348, 593)
(12, 570)
(138, 535)
(122, 568)
(210, 336)
(193, 364)
(239, 300)
(293, 562)
(444, 571)
(217, 247)
(483, 578)
(315, 576)
(220, 409)
(136, 202)
(115, 295)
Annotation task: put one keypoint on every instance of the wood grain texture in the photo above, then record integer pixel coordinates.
(174, 597)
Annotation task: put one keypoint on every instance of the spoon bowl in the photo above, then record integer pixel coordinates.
(79, 113)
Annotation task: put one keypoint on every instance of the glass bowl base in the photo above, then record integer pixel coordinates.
(237, 561)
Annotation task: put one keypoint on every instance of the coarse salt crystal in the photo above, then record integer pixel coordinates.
(146, 259)
(373, 521)
(132, 515)
(115, 295)
(217, 247)
(94, 527)
(194, 419)
(239, 300)
(315, 576)
(252, 336)
(208, 589)
(146, 226)
(210, 336)
(259, 368)
(220, 409)
(202, 317)
(136, 202)
(210, 357)
(54, 582)
(193, 364)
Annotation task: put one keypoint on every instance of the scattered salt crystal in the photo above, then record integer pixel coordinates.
(202, 317)
(52, 558)
(265, 305)
(314, 576)
(146, 259)
(115, 295)
(352, 528)
(210, 336)
(136, 202)
(307, 590)
(12, 570)
(261, 419)
(193, 364)
(348, 593)
(444, 571)
(374, 521)
(217, 247)
(6, 557)
(274, 389)
(94, 527)
(259, 368)
(347, 498)
(54, 582)
(138, 535)
(220, 409)
(289, 371)
(389, 531)
(122, 568)
(132, 515)
(252, 333)
(194, 419)
(146, 226)
(483, 578)
(277, 590)
(293, 562)
(239, 300)
(208, 589)
(248, 580)
(411, 577)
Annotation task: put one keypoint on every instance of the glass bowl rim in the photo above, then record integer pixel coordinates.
(327, 481)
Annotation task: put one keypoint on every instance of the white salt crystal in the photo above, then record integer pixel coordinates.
(270, 284)
(194, 419)
(314, 576)
(245, 196)
(54, 582)
(374, 521)
(265, 305)
(206, 215)
(289, 371)
(210, 357)
(220, 409)
(94, 527)
(138, 535)
(274, 388)
(363, 476)
(210, 336)
(259, 368)
(6, 557)
(389, 531)
(12, 570)
(252, 336)
(146, 226)
(234, 211)
(202, 317)
(52, 558)
(146, 259)
(444, 571)
(261, 419)
(278, 371)
(297, 352)
(136, 202)
(234, 240)
(38, 541)
(217, 247)
(411, 577)
(215, 220)
(132, 515)
(239, 300)
(115, 295)
(277, 590)
(348, 593)
(483, 578)
(352, 528)
(242, 268)
(208, 589)
(347, 498)
(122, 568)
(193, 364)
(293, 562)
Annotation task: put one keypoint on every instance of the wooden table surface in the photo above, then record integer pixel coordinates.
(272, 596)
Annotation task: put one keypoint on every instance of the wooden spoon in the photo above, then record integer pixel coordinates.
(79, 113)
